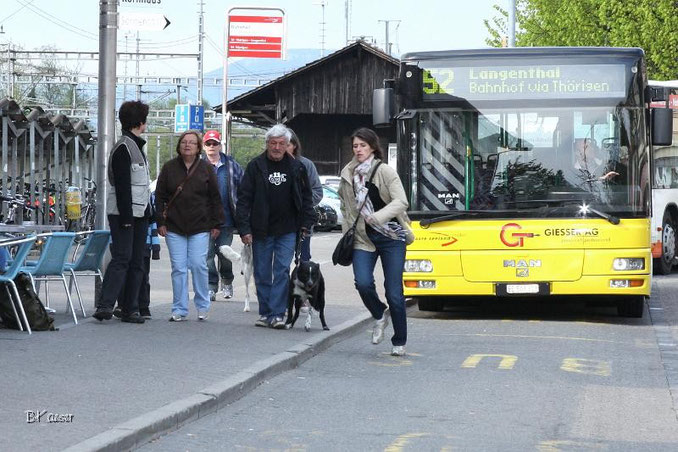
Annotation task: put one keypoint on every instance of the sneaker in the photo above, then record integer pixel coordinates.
(132, 318)
(203, 315)
(102, 314)
(278, 323)
(145, 313)
(398, 350)
(177, 318)
(117, 312)
(227, 291)
(213, 295)
(379, 327)
(263, 321)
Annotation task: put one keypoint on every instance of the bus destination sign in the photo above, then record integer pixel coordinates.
(525, 82)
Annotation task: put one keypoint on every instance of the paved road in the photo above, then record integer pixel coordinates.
(523, 376)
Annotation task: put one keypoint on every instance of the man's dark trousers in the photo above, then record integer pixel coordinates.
(124, 273)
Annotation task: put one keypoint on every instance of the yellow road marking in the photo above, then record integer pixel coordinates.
(526, 336)
(507, 361)
(402, 441)
(587, 366)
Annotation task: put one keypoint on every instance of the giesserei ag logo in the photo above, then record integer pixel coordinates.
(512, 236)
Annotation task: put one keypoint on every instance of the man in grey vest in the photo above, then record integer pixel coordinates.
(128, 210)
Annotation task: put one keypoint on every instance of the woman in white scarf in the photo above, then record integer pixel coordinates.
(381, 233)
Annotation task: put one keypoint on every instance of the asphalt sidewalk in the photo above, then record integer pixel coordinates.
(125, 384)
(112, 385)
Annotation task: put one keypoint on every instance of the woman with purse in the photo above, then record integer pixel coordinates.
(373, 201)
(189, 212)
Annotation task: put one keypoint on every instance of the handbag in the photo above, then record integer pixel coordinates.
(178, 190)
(343, 252)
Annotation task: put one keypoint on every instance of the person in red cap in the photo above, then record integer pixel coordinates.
(229, 174)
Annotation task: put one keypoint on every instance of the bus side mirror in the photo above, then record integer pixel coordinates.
(383, 106)
(662, 126)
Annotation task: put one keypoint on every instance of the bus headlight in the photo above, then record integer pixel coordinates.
(628, 263)
(418, 266)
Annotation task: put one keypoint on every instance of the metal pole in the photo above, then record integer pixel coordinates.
(108, 23)
(346, 20)
(512, 23)
(138, 83)
(157, 156)
(201, 34)
(224, 88)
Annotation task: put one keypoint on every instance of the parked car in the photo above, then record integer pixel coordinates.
(332, 181)
(327, 217)
(331, 198)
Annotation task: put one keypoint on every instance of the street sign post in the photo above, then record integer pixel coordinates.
(188, 117)
(251, 32)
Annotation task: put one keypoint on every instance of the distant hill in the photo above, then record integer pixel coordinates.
(259, 68)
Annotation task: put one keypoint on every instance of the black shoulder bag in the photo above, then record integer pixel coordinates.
(343, 252)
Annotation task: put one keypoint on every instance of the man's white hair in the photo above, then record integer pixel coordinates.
(278, 131)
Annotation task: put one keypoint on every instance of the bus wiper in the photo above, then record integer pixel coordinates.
(611, 218)
(429, 221)
(585, 209)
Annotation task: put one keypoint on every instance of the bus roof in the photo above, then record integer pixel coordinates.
(623, 52)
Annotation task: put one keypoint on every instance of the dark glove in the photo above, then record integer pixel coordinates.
(155, 255)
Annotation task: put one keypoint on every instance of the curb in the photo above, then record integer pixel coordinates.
(151, 425)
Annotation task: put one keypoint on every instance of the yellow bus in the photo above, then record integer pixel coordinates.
(527, 172)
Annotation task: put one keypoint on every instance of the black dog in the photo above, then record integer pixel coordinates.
(307, 287)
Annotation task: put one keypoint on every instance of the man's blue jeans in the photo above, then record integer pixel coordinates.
(188, 252)
(392, 254)
(272, 259)
(225, 266)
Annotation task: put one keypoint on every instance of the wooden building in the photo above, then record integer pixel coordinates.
(323, 102)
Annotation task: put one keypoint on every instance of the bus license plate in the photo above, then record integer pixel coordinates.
(516, 289)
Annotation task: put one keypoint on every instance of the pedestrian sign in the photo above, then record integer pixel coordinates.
(188, 117)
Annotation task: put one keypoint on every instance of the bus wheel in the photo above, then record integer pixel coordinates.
(430, 305)
(632, 306)
(665, 262)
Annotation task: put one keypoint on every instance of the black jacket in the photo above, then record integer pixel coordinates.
(253, 204)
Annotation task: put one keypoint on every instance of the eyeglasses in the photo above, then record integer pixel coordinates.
(212, 143)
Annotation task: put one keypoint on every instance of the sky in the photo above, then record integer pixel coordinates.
(72, 25)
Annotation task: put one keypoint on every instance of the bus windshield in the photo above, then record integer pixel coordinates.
(540, 161)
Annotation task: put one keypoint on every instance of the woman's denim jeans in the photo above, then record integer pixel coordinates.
(392, 254)
(272, 258)
(189, 253)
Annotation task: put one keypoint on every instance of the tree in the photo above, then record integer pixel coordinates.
(649, 24)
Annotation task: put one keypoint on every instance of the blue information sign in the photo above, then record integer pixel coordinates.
(188, 117)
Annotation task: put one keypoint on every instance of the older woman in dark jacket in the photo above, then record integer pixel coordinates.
(189, 211)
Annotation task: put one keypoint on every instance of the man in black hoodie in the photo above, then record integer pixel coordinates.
(128, 210)
(274, 206)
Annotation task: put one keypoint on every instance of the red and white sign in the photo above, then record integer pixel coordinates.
(673, 101)
(256, 36)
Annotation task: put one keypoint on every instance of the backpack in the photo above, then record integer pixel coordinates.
(36, 314)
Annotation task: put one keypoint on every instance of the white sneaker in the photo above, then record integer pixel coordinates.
(379, 327)
(177, 318)
(202, 315)
(398, 350)
(227, 291)
(213, 295)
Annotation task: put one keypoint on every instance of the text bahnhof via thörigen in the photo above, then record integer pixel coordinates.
(533, 79)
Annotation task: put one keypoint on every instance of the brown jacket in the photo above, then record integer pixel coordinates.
(198, 207)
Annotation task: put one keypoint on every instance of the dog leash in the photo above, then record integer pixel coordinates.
(297, 249)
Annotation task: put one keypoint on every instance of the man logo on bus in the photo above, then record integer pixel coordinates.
(513, 239)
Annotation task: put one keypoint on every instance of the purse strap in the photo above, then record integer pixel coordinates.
(179, 189)
(374, 171)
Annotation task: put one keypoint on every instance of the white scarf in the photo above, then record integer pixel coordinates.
(390, 229)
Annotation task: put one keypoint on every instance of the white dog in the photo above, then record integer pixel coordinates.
(246, 269)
